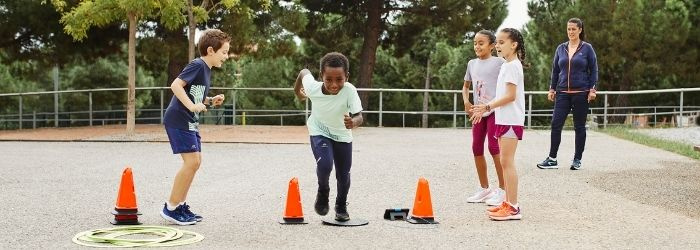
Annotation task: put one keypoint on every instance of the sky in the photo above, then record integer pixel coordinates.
(517, 15)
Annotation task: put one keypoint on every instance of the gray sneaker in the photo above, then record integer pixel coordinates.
(548, 164)
(576, 165)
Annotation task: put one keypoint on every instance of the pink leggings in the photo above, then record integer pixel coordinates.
(482, 130)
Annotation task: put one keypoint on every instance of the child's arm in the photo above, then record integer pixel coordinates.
(353, 122)
(479, 109)
(465, 97)
(298, 87)
(178, 88)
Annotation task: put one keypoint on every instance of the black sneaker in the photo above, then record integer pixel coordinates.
(321, 205)
(576, 165)
(341, 213)
(548, 164)
(186, 210)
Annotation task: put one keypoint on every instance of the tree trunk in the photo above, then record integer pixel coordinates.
(131, 96)
(369, 49)
(192, 27)
(426, 96)
(176, 42)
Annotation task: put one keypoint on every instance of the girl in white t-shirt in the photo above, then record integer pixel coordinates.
(509, 108)
(482, 73)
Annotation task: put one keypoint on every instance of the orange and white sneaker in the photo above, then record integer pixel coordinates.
(507, 212)
(495, 209)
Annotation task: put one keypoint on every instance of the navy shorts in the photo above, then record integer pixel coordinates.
(184, 141)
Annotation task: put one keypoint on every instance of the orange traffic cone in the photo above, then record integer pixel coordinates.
(293, 213)
(422, 206)
(125, 211)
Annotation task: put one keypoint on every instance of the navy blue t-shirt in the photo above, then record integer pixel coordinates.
(197, 75)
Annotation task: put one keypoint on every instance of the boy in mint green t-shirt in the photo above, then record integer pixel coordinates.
(335, 111)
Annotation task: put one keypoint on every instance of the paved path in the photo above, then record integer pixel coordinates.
(626, 196)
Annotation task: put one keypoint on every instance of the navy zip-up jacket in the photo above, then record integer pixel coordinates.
(578, 74)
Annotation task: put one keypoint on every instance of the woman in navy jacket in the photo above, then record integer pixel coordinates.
(574, 78)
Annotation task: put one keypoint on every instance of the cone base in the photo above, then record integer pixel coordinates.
(351, 223)
(118, 211)
(125, 222)
(293, 221)
(420, 220)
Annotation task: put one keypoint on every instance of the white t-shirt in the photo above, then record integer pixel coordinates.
(512, 113)
(483, 74)
(328, 111)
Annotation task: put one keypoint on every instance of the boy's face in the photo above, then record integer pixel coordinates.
(333, 79)
(219, 57)
(482, 45)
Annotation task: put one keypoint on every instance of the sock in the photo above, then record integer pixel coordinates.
(181, 203)
(553, 159)
(169, 206)
(514, 206)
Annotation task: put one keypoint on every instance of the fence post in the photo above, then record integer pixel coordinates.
(34, 119)
(90, 105)
(454, 110)
(55, 95)
(529, 111)
(20, 111)
(605, 112)
(380, 107)
(655, 122)
(281, 120)
(233, 99)
(162, 97)
(680, 120)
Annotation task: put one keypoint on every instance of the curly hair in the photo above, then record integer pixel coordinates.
(335, 60)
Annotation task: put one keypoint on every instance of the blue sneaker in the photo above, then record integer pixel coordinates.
(177, 216)
(186, 209)
(548, 164)
(576, 165)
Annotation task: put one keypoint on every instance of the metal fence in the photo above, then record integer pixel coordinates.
(680, 114)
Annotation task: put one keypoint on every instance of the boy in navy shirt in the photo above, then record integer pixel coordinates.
(181, 120)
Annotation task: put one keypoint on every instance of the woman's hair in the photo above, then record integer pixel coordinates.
(489, 34)
(579, 24)
(516, 36)
(335, 60)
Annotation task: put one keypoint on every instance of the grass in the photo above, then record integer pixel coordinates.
(671, 146)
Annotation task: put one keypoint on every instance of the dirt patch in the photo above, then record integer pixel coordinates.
(156, 133)
(673, 187)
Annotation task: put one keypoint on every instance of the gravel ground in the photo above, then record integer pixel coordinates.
(690, 135)
(627, 195)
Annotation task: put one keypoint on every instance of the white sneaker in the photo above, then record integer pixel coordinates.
(497, 198)
(481, 195)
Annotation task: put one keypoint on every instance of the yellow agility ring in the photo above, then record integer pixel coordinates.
(136, 236)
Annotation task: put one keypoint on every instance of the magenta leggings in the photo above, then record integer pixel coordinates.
(482, 130)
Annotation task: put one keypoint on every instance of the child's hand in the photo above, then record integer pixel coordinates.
(218, 100)
(468, 107)
(348, 122)
(476, 117)
(198, 107)
(301, 95)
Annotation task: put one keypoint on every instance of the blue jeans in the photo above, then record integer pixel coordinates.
(577, 104)
(327, 152)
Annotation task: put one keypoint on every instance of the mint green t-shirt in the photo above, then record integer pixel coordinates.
(328, 111)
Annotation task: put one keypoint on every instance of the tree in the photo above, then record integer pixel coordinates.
(399, 23)
(89, 13)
